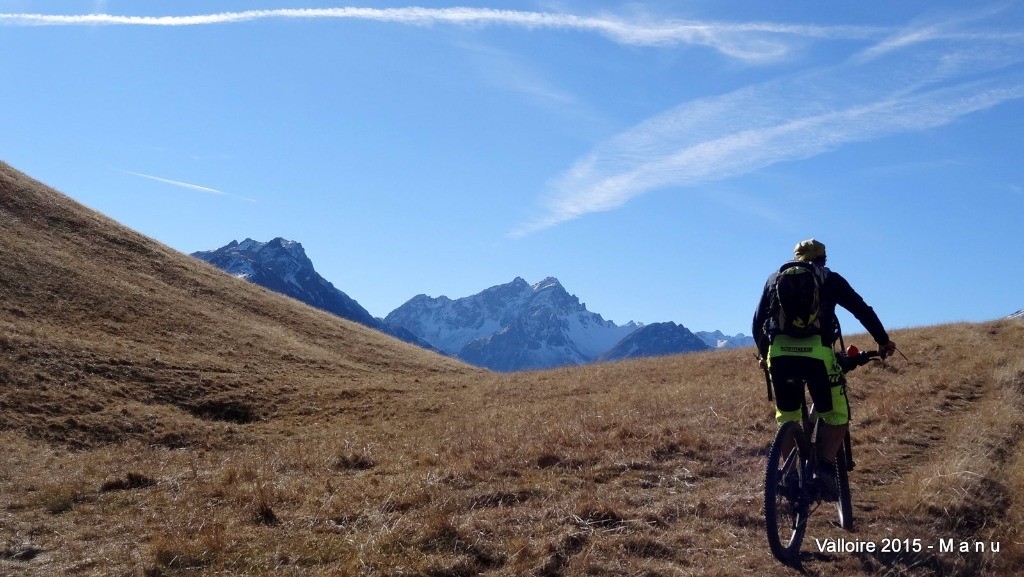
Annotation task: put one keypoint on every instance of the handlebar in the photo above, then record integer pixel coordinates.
(853, 358)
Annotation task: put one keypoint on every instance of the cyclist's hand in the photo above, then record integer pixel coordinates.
(886, 349)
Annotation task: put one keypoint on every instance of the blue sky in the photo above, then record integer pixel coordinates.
(660, 158)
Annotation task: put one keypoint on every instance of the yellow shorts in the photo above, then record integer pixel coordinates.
(794, 362)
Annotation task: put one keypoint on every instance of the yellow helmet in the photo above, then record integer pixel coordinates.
(808, 250)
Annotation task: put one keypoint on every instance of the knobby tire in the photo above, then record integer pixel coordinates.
(844, 505)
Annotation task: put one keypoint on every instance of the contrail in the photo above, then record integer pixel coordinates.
(744, 40)
(187, 185)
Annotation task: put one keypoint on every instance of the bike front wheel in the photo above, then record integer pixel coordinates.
(785, 504)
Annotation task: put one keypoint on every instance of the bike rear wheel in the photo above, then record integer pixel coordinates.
(844, 505)
(785, 503)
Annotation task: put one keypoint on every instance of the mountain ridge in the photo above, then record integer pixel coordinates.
(507, 327)
(282, 266)
(720, 340)
(655, 340)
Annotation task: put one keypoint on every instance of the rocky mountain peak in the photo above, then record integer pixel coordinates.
(281, 265)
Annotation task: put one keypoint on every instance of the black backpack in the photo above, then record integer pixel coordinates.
(796, 309)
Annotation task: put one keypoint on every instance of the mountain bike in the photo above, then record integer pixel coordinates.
(791, 493)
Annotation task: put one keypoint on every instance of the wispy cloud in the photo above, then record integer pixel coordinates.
(897, 90)
(951, 29)
(187, 185)
(505, 69)
(751, 41)
(612, 175)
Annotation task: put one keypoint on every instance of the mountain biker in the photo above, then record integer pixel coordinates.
(790, 361)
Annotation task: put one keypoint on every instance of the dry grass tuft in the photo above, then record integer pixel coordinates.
(57, 498)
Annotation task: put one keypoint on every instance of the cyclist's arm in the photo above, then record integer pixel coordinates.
(848, 298)
(761, 315)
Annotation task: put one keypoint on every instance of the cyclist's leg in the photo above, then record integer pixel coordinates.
(789, 389)
(828, 389)
(788, 383)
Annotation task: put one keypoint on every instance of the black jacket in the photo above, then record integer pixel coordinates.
(835, 291)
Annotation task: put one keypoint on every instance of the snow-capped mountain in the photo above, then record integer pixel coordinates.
(718, 340)
(282, 266)
(512, 326)
(655, 340)
(1017, 315)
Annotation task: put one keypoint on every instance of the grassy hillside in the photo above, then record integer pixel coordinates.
(110, 336)
(159, 417)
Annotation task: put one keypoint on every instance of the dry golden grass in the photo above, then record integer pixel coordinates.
(161, 418)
